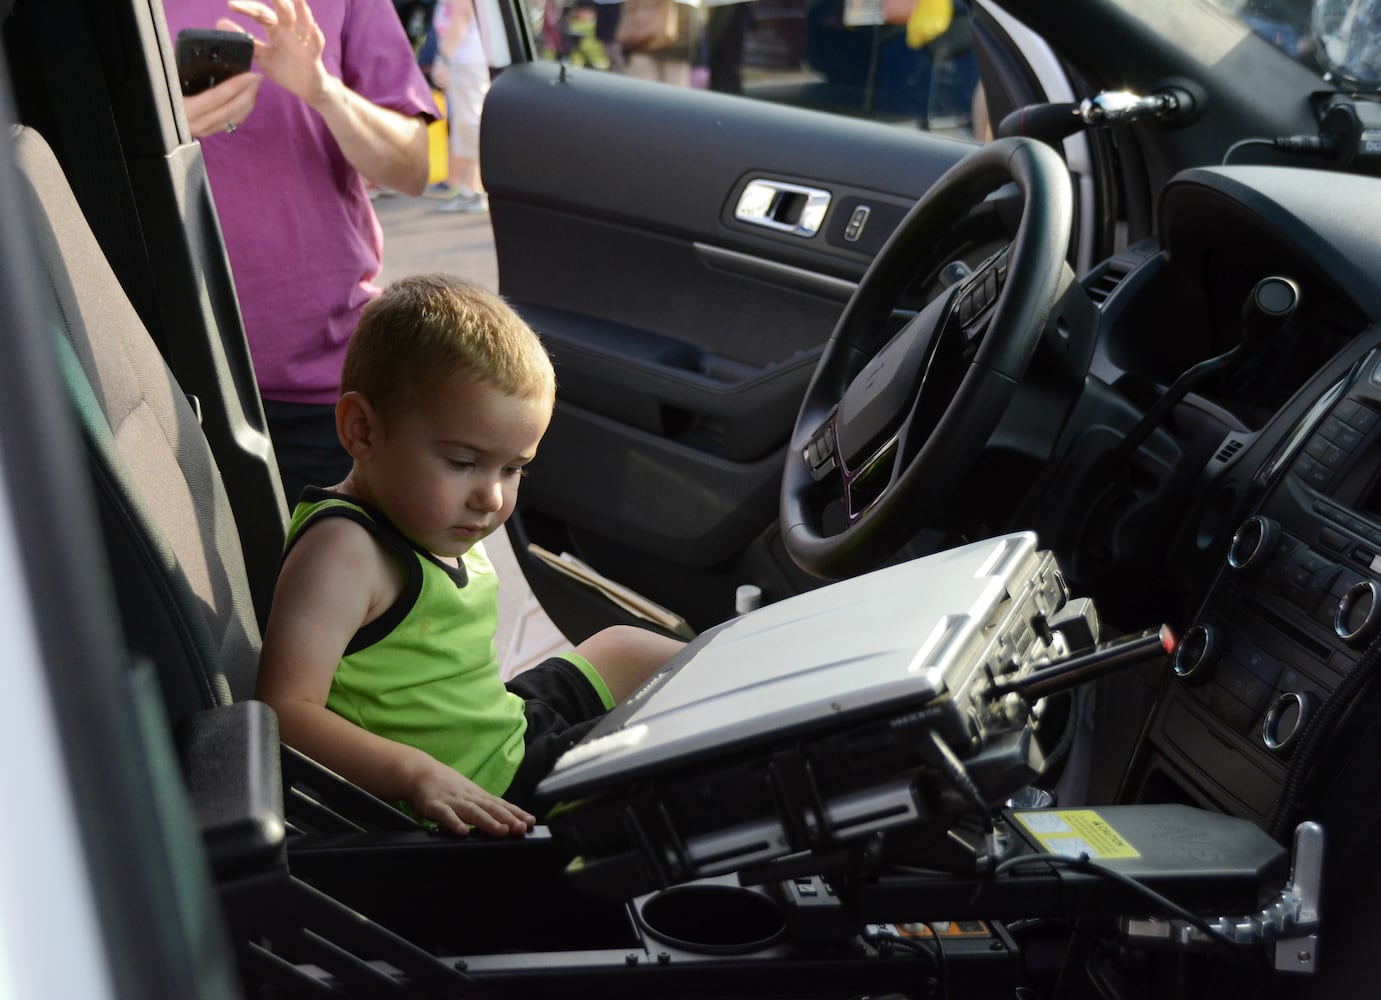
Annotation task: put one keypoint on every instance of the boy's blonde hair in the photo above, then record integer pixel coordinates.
(430, 326)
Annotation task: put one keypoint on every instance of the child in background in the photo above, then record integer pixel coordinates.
(379, 655)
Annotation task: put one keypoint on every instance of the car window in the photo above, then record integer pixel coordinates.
(1338, 39)
(1283, 23)
(908, 62)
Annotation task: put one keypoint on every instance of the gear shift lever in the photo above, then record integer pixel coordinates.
(1265, 313)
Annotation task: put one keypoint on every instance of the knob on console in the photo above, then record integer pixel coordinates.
(1286, 719)
(1359, 613)
(1252, 543)
(1196, 653)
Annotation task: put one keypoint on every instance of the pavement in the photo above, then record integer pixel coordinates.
(418, 239)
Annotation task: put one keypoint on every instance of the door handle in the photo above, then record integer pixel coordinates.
(785, 207)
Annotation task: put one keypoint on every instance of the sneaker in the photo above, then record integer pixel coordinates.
(468, 204)
(441, 191)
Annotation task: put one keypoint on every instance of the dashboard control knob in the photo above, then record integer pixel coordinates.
(1286, 719)
(1359, 613)
(1252, 543)
(1196, 653)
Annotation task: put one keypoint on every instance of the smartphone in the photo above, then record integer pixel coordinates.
(206, 56)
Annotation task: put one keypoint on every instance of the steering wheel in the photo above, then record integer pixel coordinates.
(887, 430)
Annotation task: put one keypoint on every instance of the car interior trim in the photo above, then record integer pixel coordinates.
(789, 276)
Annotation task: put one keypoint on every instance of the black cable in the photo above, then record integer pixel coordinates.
(1317, 730)
(942, 962)
(936, 955)
(1081, 863)
(959, 777)
(1241, 143)
(1062, 746)
(1323, 144)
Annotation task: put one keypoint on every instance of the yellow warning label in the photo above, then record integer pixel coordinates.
(1075, 832)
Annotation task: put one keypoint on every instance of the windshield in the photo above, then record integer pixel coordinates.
(1339, 39)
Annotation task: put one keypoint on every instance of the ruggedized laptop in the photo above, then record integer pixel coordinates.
(855, 708)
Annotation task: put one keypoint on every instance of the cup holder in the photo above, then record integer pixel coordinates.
(712, 919)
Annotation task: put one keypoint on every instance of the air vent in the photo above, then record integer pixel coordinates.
(1100, 287)
(1230, 447)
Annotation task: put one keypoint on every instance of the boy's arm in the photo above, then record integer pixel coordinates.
(334, 580)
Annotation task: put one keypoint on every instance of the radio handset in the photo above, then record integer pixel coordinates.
(1268, 309)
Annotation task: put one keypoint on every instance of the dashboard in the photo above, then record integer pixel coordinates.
(1277, 557)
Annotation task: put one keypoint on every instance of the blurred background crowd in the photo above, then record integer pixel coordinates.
(908, 61)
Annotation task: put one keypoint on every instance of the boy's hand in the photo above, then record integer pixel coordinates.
(455, 802)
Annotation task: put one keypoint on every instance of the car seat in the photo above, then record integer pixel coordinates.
(178, 571)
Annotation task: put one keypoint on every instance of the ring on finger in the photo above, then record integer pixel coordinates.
(230, 127)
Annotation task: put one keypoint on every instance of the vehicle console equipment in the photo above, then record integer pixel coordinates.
(848, 752)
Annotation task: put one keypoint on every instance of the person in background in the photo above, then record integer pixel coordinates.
(461, 69)
(335, 100)
(658, 39)
(726, 30)
(607, 16)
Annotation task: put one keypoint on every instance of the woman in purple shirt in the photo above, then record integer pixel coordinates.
(335, 98)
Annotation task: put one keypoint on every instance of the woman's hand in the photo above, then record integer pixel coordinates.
(290, 54)
(384, 146)
(223, 107)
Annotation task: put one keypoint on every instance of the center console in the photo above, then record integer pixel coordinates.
(1295, 603)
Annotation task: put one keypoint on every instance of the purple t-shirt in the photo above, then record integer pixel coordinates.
(304, 243)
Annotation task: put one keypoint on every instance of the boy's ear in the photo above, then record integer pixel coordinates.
(356, 424)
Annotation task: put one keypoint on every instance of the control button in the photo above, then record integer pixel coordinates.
(1286, 719)
(1196, 653)
(1252, 543)
(1297, 576)
(1326, 613)
(1359, 613)
(1342, 584)
(1313, 473)
(966, 307)
(1331, 539)
(1364, 419)
(819, 457)
(1242, 718)
(857, 221)
(1244, 687)
(1258, 664)
(1325, 451)
(1341, 434)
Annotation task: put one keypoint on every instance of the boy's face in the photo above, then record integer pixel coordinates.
(446, 469)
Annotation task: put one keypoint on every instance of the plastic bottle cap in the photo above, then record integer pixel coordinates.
(747, 598)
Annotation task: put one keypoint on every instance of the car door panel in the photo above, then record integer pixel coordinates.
(671, 388)
(683, 334)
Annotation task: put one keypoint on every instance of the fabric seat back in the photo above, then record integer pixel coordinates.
(173, 548)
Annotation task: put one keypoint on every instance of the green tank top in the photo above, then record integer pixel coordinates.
(426, 671)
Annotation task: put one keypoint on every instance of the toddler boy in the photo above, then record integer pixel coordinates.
(379, 655)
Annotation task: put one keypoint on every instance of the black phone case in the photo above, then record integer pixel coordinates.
(205, 57)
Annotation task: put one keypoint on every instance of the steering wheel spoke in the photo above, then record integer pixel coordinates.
(870, 482)
(890, 430)
(856, 486)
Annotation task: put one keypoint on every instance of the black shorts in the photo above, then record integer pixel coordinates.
(561, 707)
